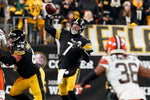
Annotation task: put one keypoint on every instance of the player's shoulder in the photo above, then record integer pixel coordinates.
(105, 60)
(85, 40)
(132, 57)
(21, 48)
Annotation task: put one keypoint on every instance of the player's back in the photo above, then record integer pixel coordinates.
(122, 73)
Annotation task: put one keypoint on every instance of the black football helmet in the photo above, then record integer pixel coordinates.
(79, 22)
(17, 35)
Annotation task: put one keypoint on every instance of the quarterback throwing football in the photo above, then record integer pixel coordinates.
(73, 46)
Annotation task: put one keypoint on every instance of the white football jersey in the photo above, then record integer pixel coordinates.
(122, 73)
(3, 42)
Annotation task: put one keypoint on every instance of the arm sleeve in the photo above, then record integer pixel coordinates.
(49, 28)
(91, 76)
(87, 49)
(86, 55)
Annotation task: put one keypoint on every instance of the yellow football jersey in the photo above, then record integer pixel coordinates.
(35, 7)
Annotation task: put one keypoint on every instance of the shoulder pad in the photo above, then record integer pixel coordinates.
(133, 57)
(103, 61)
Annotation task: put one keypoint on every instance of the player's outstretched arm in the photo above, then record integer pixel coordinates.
(145, 72)
(98, 71)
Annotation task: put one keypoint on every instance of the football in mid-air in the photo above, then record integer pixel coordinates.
(50, 8)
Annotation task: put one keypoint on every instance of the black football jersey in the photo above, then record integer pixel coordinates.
(26, 67)
(69, 56)
(72, 58)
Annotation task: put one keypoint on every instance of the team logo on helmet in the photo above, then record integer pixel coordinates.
(115, 44)
(16, 36)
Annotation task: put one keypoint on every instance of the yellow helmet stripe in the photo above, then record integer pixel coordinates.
(77, 19)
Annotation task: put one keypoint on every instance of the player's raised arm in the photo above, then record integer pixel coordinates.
(48, 26)
(50, 9)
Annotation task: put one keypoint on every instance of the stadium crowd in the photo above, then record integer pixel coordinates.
(102, 12)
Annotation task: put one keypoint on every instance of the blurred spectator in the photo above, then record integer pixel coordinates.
(91, 5)
(147, 3)
(11, 2)
(70, 18)
(18, 9)
(67, 6)
(76, 3)
(34, 10)
(106, 18)
(100, 7)
(139, 9)
(115, 7)
(58, 17)
(126, 15)
(88, 17)
(111, 6)
(147, 12)
(76, 14)
(59, 2)
(1, 12)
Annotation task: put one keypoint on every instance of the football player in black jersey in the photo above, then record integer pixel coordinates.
(31, 76)
(73, 47)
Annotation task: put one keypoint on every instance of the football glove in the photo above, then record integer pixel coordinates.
(80, 89)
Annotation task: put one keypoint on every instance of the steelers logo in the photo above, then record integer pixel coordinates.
(40, 59)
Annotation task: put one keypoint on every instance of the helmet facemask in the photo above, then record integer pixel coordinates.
(75, 28)
(80, 23)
